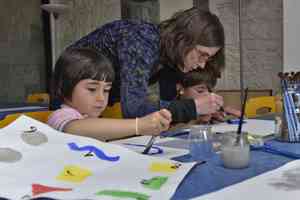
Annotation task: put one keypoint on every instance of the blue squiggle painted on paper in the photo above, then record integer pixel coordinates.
(98, 152)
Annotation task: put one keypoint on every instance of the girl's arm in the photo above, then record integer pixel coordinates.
(109, 129)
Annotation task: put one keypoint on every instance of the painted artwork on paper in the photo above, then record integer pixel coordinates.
(74, 174)
(155, 183)
(38, 161)
(33, 136)
(43, 189)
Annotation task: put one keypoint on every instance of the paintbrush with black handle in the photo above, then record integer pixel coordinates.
(243, 113)
(149, 145)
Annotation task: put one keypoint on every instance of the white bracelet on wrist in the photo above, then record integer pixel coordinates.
(136, 126)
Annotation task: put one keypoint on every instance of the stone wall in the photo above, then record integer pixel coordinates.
(22, 60)
(22, 67)
(83, 17)
(227, 10)
(22, 56)
(147, 10)
(169, 7)
(261, 37)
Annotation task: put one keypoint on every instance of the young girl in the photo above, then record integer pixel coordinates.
(198, 83)
(82, 81)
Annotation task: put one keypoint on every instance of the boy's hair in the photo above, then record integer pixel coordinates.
(199, 76)
(76, 64)
(189, 28)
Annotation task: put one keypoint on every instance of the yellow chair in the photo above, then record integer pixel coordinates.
(38, 98)
(113, 111)
(256, 104)
(41, 116)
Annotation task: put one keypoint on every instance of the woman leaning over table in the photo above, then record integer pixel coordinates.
(143, 53)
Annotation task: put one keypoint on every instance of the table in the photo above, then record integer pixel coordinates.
(212, 176)
(11, 108)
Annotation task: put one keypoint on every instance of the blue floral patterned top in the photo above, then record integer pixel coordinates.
(133, 48)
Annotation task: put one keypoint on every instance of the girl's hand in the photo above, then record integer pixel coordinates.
(155, 123)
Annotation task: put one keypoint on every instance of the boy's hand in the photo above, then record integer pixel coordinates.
(232, 111)
(155, 123)
(208, 103)
(203, 119)
(219, 116)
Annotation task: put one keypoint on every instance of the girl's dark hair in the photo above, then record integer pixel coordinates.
(76, 64)
(199, 76)
(189, 28)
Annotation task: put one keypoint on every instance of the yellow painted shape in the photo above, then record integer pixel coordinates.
(166, 167)
(74, 174)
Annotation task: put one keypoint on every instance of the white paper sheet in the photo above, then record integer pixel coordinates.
(252, 126)
(279, 184)
(168, 152)
(46, 168)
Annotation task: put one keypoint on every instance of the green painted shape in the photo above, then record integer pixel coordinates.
(124, 194)
(155, 183)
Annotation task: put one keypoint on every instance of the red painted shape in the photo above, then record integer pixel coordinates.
(39, 189)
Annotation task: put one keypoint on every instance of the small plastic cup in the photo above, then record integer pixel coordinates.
(235, 150)
(201, 142)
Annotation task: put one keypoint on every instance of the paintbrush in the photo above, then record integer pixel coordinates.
(149, 145)
(243, 113)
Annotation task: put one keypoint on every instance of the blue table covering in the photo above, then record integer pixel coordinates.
(212, 176)
(20, 108)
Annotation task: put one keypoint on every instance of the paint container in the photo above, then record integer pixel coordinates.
(201, 142)
(235, 150)
(281, 128)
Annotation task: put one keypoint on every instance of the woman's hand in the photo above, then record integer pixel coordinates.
(155, 123)
(208, 103)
